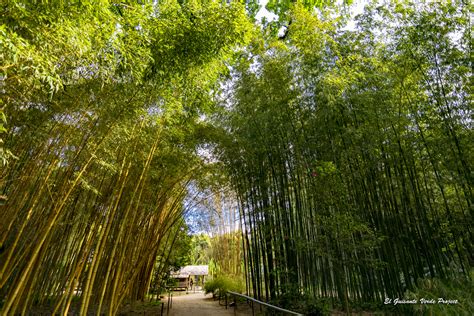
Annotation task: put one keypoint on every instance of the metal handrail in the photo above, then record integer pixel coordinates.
(265, 304)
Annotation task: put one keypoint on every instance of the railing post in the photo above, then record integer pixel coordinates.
(235, 304)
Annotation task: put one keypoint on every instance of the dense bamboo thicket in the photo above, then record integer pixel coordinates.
(101, 106)
(226, 239)
(216, 220)
(351, 153)
(348, 148)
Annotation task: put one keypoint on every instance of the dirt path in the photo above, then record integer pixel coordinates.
(198, 304)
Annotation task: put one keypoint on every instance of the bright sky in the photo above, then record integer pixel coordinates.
(264, 12)
(356, 8)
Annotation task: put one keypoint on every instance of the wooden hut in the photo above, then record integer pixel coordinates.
(190, 276)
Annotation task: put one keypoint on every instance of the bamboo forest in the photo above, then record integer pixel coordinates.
(317, 155)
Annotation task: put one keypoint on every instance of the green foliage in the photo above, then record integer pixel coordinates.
(200, 250)
(450, 297)
(350, 152)
(181, 251)
(102, 103)
(311, 306)
(221, 284)
(154, 303)
(5, 154)
(281, 7)
(212, 286)
(291, 298)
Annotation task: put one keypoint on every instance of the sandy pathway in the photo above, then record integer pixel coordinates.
(198, 304)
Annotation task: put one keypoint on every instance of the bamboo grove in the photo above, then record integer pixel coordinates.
(216, 227)
(101, 120)
(348, 148)
(351, 153)
(226, 238)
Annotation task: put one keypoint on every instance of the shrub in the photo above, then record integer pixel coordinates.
(211, 286)
(222, 284)
(302, 303)
(458, 288)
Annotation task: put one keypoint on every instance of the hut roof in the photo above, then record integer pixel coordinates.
(194, 270)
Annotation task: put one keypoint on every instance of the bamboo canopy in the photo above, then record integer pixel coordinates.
(337, 151)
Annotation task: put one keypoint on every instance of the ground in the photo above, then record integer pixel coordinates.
(192, 304)
(198, 304)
